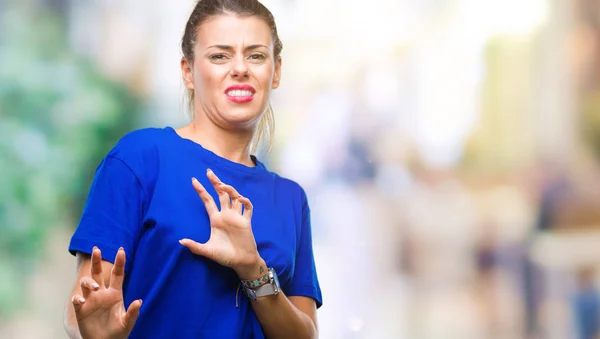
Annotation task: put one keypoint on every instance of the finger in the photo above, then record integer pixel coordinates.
(236, 205)
(77, 302)
(234, 195)
(248, 208)
(214, 179)
(224, 199)
(88, 285)
(97, 266)
(196, 247)
(133, 312)
(208, 200)
(118, 271)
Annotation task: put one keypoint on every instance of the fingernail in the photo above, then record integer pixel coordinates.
(81, 300)
(181, 241)
(141, 302)
(95, 248)
(208, 170)
(121, 249)
(194, 179)
(95, 285)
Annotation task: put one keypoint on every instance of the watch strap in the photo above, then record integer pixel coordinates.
(270, 287)
(257, 282)
(264, 290)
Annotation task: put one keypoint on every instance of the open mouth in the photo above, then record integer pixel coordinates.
(240, 93)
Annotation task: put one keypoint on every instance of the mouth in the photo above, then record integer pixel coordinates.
(240, 93)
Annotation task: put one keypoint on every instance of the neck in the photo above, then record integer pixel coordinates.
(231, 145)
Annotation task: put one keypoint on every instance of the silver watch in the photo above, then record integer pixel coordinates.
(268, 285)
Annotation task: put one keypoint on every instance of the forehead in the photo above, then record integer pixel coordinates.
(232, 30)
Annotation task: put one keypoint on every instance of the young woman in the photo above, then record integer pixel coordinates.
(217, 246)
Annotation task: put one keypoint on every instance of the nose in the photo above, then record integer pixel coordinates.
(239, 68)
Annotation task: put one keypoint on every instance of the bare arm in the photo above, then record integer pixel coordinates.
(84, 263)
(287, 317)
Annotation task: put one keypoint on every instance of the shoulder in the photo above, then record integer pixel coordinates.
(143, 134)
(138, 146)
(137, 141)
(139, 151)
(291, 188)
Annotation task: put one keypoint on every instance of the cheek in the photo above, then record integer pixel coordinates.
(264, 75)
(202, 76)
(208, 79)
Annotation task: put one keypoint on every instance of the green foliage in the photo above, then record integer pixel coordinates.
(58, 117)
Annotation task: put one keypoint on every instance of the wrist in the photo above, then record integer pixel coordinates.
(254, 270)
(267, 285)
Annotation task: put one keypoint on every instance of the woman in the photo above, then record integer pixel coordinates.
(208, 259)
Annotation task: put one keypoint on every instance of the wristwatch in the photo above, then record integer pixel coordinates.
(266, 285)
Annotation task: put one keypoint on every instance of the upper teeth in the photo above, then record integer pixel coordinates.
(239, 93)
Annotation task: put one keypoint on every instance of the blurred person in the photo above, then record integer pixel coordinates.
(189, 262)
(553, 187)
(488, 275)
(586, 305)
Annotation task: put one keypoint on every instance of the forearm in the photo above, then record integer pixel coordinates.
(70, 322)
(281, 319)
(278, 316)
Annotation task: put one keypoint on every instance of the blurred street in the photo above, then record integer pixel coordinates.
(450, 151)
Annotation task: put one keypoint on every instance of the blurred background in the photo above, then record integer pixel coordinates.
(459, 141)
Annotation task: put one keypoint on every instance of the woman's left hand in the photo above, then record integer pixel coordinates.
(231, 241)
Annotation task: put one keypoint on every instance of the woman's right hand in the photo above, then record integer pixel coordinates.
(100, 311)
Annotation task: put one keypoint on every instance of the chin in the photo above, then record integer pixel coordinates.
(242, 114)
(243, 119)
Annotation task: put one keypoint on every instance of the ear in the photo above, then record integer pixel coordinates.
(187, 74)
(277, 75)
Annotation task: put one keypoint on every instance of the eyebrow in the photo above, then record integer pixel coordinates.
(230, 48)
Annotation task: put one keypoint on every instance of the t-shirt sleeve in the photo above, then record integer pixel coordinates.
(305, 281)
(113, 213)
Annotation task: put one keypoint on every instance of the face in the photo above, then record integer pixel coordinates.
(234, 70)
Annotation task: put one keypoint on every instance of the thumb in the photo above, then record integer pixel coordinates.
(196, 247)
(133, 312)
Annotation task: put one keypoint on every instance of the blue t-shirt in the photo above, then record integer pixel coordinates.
(142, 199)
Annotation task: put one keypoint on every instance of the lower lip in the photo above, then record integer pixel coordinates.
(240, 100)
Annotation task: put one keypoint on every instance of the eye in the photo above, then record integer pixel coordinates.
(218, 57)
(257, 56)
